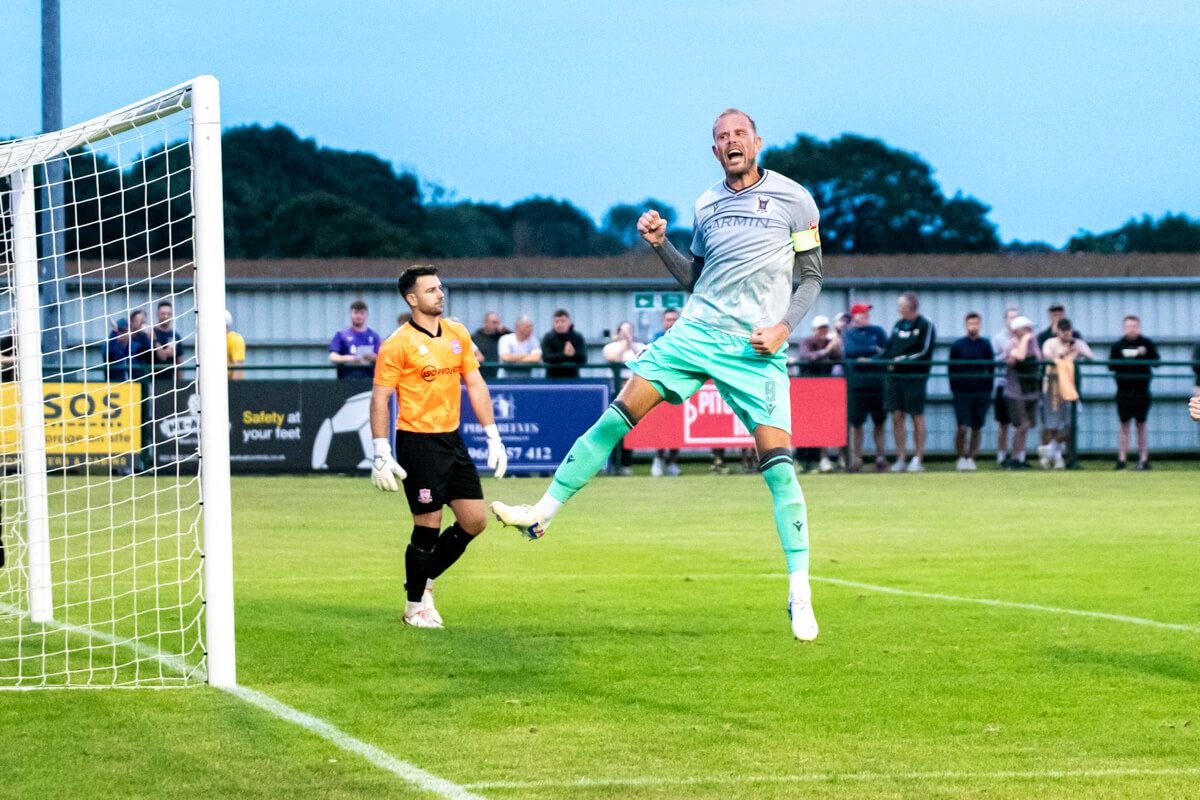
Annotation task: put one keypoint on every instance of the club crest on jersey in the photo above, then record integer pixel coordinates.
(424, 495)
(455, 347)
(762, 204)
(423, 350)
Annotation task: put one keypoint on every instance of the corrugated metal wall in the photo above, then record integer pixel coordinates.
(291, 323)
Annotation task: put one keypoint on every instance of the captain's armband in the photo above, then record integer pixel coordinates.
(803, 241)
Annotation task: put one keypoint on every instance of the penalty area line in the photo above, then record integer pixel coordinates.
(425, 781)
(1009, 604)
(831, 777)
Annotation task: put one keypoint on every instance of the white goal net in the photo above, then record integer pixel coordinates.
(114, 539)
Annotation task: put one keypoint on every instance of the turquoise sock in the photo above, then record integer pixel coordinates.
(791, 514)
(590, 451)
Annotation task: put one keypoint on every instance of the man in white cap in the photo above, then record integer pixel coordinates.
(817, 356)
(1022, 386)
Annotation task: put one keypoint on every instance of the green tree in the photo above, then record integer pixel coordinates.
(324, 225)
(875, 199)
(545, 227)
(1171, 234)
(621, 220)
(466, 230)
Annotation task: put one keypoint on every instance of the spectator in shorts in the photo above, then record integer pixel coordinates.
(817, 357)
(1022, 386)
(971, 385)
(1131, 360)
(910, 349)
(862, 345)
(1060, 395)
(666, 460)
(1000, 408)
(1056, 312)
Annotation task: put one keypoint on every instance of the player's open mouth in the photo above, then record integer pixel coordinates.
(732, 154)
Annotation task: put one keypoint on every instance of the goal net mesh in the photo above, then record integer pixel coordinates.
(119, 406)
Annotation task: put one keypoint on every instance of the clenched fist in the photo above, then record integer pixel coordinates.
(652, 227)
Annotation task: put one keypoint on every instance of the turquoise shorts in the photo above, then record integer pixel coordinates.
(755, 386)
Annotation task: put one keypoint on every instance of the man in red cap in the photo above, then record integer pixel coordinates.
(862, 344)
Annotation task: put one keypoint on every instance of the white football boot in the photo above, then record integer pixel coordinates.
(420, 619)
(804, 624)
(523, 518)
(430, 611)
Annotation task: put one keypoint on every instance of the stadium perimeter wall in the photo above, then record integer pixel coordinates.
(288, 309)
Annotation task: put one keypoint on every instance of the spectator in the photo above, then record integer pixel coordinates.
(1060, 394)
(910, 349)
(1133, 386)
(1056, 311)
(1022, 385)
(564, 347)
(141, 346)
(354, 349)
(666, 460)
(971, 385)
(235, 348)
(8, 357)
(818, 355)
(1194, 408)
(486, 341)
(168, 347)
(1000, 406)
(621, 350)
(862, 344)
(403, 318)
(1196, 369)
(519, 347)
(118, 364)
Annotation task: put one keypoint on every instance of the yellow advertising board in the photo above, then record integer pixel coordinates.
(86, 423)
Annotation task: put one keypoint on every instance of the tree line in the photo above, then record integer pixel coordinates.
(287, 197)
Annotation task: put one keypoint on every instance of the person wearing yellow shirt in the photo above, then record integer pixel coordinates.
(235, 348)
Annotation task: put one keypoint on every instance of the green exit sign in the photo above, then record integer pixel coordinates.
(672, 299)
(643, 300)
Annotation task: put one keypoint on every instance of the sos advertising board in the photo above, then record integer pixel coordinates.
(705, 420)
(86, 423)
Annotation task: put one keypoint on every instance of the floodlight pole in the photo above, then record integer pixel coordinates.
(53, 236)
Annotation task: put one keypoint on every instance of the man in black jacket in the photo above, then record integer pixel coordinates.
(909, 349)
(1131, 359)
(564, 347)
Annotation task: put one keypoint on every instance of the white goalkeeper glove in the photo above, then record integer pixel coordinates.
(385, 469)
(497, 456)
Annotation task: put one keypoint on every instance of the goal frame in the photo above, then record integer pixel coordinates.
(203, 95)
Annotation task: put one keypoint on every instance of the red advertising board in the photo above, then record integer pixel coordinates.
(706, 420)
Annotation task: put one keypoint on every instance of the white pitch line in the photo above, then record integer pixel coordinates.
(402, 769)
(823, 777)
(1009, 604)
(414, 775)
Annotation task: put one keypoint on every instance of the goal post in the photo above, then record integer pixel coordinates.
(114, 491)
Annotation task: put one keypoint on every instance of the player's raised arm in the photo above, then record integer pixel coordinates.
(653, 229)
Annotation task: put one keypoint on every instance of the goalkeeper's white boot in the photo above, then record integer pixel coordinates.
(430, 611)
(804, 624)
(416, 616)
(524, 518)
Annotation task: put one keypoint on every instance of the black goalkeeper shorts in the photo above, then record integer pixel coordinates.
(439, 470)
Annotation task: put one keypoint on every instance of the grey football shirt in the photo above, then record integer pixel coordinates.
(748, 240)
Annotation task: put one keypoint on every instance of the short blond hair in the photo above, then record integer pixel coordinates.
(729, 112)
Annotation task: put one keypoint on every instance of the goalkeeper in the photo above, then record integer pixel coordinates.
(753, 232)
(422, 363)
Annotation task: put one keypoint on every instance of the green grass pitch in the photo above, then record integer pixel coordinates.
(642, 650)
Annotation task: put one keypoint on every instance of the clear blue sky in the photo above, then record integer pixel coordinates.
(1060, 115)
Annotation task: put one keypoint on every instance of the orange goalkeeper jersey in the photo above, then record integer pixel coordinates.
(425, 371)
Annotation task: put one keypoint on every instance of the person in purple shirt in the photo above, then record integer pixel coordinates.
(353, 349)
